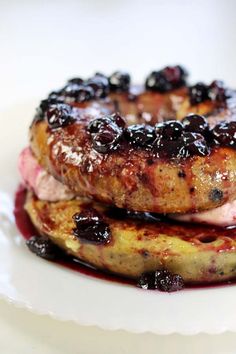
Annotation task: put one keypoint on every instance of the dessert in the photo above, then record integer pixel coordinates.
(139, 181)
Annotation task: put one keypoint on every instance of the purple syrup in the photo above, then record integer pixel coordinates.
(28, 230)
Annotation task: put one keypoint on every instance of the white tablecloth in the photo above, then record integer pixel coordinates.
(42, 43)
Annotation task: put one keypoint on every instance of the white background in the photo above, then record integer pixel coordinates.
(42, 43)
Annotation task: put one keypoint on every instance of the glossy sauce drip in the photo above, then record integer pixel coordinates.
(27, 230)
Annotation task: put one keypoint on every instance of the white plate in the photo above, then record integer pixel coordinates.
(46, 288)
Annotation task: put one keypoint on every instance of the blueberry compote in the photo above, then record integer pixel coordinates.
(90, 227)
(216, 92)
(171, 139)
(119, 81)
(59, 115)
(167, 79)
(161, 280)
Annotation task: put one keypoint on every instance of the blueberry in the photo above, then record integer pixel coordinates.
(157, 82)
(56, 95)
(95, 124)
(198, 93)
(120, 121)
(224, 134)
(91, 228)
(161, 280)
(188, 144)
(107, 137)
(183, 72)
(218, 92)
(140, 135)
(100, 85)
(119, 81)
(115, 118)
(176, 75)
(59, 115)
(196, 124)
(170, 130)
(105, 132)
(166, 79)
(78, 93)
(76, 80)
(42, 247)
(44, 105)
(166, 148)
(193, 144)
(216, 195)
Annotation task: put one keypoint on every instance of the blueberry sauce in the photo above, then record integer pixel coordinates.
(161, 280)
(216, 92)
(43, 247)
(91, 228)
(78, 93)
(170, 139)
(167, 79)
(59, 115)
(28, 231)
(119, 81)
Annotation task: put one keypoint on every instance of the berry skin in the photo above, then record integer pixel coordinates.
(188, 144)
(118, 120)
(95, 124)
(56, 95)
(115, 118)
(91, 228)
(140, 135)
(59, 115)
(218, 92)
(42, 247)
(119, 81)
(157, 82)
(106, 132)
(161, 280)
(196, 124)
(224, 134)
(78, 93)
(170, 130)
(100, 85)
(44, 105)
(193, 144)
(76, 81)
(107, 138)
(216, 195)
(198, 93)
(166, 149)
(169, 78)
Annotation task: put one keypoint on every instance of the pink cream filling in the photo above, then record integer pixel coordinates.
(223, 216)
(46, 187)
